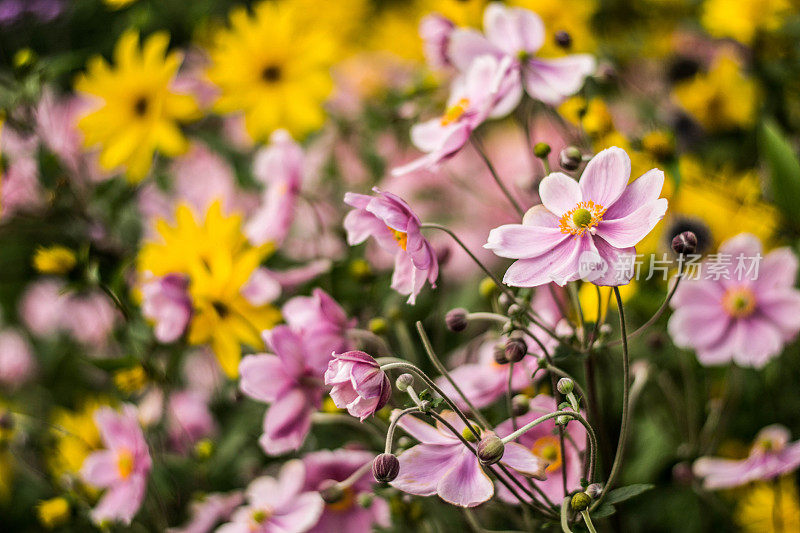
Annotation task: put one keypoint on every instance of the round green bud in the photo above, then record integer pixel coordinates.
(580, 501)
(490, 449)
(541, 150)
(565, 385)
(487, 287)
(404, 381)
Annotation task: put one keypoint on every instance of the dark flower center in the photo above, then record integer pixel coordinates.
(140, 106)
(221, 309)
(271, 73)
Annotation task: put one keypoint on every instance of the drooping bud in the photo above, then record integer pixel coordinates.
(565, 385)
(570, 158)
(541, 150)
(385, 467)
(404, 381)
(563, 39)
(580, 501)
(684, 243)
(490, 449)
(330, 491)
(500, 355)
(515, 349)
(456, 319)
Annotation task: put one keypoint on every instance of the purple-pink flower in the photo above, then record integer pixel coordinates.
(396, 228)
(592, 223)
(516, 34)
(209, 511)
(17, 364)
(121, 468)
(189, 419)
(435, 31)
(744, 311)
(291, 381)
(359, 384)
(277, 505)
(167, 304)
(772, 455)
(320, 320)
(442, 465)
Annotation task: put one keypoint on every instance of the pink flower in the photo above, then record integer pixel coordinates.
(122, 467)
(321, 322)
(516, 34)
(280, 168)
(42, 307)
(482, 91)
(291, 381)
(396, 228)
(206, 513)
(188, 419)
(751, 298)
(277, 505)
(545, 444)
(435, 31)
(17, 364)
(167, 304)
(347, 514)
(771, 456)
(596, 222)
(262, 287)
(359, 384)
(442, 465)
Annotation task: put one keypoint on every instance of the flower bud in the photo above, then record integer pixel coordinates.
(456, 319)
(565, 385)
(487, 287)
(365, 500)
(563, 420)
(541, 150)
(515, 349)
(520, 404)
(684, 243)
(404, 381)
(500, 355)
(563, 39)
(490, 449)
(594, 490)
(330, 491)
(580, 501)
(385, 468)
(378, 326)
(570, 158)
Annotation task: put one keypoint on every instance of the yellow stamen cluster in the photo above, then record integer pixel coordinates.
(346, 502)
(455, 111)
(584, 216)
(739, 302)
(548, 448)
(401, 237)
(125, 463)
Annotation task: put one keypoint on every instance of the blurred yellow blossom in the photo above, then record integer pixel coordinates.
(273, 67)
(769, 507)
(724, 98)
(118, 4)
(587, 295)
(743, 19)
(54, 260)
(659, 144)
(75, 436)
(571, 16)
(218, 260)
(53, 513)
(130, 380)
(139, 113)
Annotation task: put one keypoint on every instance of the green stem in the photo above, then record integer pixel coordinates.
(393, 425)
(588, 519)
(564, 516)
(479, 148)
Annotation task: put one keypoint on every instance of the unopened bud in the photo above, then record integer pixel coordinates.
(456, 319)
(580, 501)
(565, 385)
(594, 490)
(563, 420)
(500, 355)
(541, 150)
(570, 158)
(563, 39)
(385, 468)
(487, 287)
(490, 449)
(515, 349)
(404, 381)
(684, 243)
(520, 404)
(330, 491)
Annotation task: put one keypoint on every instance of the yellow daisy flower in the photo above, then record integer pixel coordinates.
(769, 507)
(75, 436)
(139, 114)
(273, 67)
(218, 261)
(571, 16)
(54, 260)
(743, 19)
(53, 513)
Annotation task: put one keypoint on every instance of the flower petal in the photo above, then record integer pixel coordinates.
(643, 190)
(604, 179)
(465, 484)
(629, 230)
(559, 193)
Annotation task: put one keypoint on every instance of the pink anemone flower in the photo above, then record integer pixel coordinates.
(320, 320)
(516, 34)
(585, 229)
(442, 465)
(390, 220)
(122, 467)
(739, 297)
(772, 455)
(359, 384)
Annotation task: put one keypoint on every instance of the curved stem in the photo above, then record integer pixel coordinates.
(479, 148)
(564, 516)
(494, 317)
(588, 520)
(557, 371)
(509, 400)
(393, 425)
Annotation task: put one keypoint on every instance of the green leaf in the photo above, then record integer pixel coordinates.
(625, 493)
(604, 510)
(784, 168)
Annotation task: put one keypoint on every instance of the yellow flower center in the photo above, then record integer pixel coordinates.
(548, 448)
(584, 216)
(401, 237)
(739, 302)
(124, 463)
(260, 516)
(455, 112)
(346, 502)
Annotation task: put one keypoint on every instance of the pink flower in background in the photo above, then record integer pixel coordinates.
(280, 168)
(752, 298)
(208, 512)
(17, 364)
(435, 31)
(442, 465)
(346, 514)
(516, 34)
(189, 419)
(262, 287)
(320, 320)
(482, 91)
(41, 307)
(167, 304)
(20, 190)
(291, 381)
(121, 468)
(359, 384)
(544, 442)
(772, 455)
(277, 505)
(396, 228)
(599, 220)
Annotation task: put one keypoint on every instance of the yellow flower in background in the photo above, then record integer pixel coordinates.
(587, 295)
(342, 21)
(130, 380)
(75, 436)
(53, 513)
(118, 4)
(218, 260)
(273, 67)
(461, 12)
(743, 19)
(571, 16)
(54, 260)
(139, 114)
(769, 507)
(724, 98)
